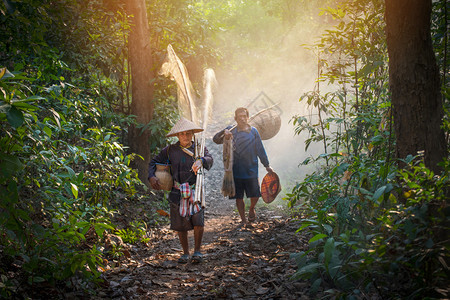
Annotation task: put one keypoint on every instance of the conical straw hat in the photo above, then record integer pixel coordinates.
(184, 125)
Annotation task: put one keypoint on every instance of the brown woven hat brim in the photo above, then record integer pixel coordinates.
(184, 125)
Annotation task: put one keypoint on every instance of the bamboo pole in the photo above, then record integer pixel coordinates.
(255, 115)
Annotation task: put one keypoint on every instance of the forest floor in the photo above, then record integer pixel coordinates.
(250, 262)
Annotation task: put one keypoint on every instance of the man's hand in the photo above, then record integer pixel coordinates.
(269, 170)
(197, 165)
(154, 182)
(227, 134)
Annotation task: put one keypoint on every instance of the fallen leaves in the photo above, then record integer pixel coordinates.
(262, 291)
(163, 213)
(239, 263)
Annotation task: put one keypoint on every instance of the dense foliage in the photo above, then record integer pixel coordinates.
(60, 166)
(374, 229)
(63, 105)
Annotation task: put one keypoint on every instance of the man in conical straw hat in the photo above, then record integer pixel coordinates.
(247, 148)
(185, 215)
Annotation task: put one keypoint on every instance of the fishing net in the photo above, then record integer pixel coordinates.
(228, 188)
(174, 68)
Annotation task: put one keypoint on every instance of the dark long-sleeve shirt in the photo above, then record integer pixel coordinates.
(248, 147)
(180, 166)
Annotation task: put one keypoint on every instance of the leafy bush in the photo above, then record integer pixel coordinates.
(412, 250)
(58, 170)
(137, 232)
(375, 229)
(370, 236)
(337, 204)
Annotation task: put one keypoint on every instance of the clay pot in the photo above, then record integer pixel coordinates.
(164, 176)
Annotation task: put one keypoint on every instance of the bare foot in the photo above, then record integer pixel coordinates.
(251, 215)
(242, 224)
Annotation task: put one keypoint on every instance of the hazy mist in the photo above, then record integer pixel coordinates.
(283, 69)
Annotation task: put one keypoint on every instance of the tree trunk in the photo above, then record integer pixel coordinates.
(414, 81)
(140, 57)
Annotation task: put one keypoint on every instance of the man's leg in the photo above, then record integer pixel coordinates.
(198, 235)
(183, 236)
(241, 209)
(251, 211)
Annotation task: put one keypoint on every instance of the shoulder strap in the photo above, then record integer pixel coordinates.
(187, 151)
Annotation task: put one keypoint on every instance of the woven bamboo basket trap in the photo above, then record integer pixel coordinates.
(268, 123)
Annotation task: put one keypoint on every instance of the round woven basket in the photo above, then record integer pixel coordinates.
(267, 122)
(270, 187)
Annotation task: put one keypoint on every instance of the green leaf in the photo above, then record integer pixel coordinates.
(316, 284)
(15, 117)
(328, 228)
(35, 97)
(74, 266)
(304, 225)
(308, 269)
(317, 237)
(378, 193)
(105, 226)
(306, 161)
(92, 266)
(328, 250)
(74, 190)
(101, 227)
(48, 131)
(10, 165)
(38, 279)
(5, 74)
(4, 109)
(299, 257)
(24, 105)
(80, 177)
(71, 172)
(57, 117)
(22, 214)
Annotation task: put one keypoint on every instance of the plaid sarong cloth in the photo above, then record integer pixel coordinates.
(187, 205)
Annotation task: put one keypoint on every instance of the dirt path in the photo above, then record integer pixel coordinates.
(240, 263)
(250, 263)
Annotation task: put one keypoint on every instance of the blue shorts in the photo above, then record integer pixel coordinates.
(250, 186)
